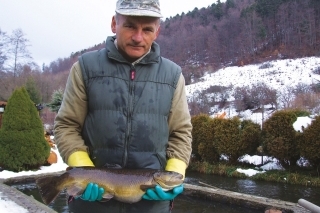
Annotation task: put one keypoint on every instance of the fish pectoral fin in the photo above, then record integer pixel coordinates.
(107, 196)
(145, 187)
(75, 190)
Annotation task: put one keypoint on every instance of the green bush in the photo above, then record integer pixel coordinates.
(280, 138)
(234, 138)
(310, 143)
(202, 138)
(250, 138)
(206, 148)
(22, 142)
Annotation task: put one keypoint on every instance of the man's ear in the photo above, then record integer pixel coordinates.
(113, 24)
(158, 31)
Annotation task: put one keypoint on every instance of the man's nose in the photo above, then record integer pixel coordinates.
(137, 36)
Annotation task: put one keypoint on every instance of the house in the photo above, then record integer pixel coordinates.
(3, 105)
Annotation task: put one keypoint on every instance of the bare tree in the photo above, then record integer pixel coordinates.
(18, 49)
(3, 56)
(286, 97)
(242, 98)
(200, 103)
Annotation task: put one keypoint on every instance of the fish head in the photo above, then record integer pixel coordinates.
(168, 179)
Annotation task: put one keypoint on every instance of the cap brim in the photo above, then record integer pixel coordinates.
(135, 12)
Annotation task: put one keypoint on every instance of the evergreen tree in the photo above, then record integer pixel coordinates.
(202, 138)
(310, 143)
(33, 91)
(22, 142)
(230, 4)
(280, 138)
(56, 100)
(267, 8)
(217, 10)
(234, 138)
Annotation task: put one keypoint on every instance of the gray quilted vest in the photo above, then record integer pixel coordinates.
(128, 107)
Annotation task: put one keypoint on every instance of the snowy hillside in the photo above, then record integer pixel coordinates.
(278, 74)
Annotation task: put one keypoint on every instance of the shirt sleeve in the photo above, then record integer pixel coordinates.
(180, 127)
(70, 118)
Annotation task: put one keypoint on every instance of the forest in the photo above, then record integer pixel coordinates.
(235, 32)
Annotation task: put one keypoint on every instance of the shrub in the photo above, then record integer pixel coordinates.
(22, 144)
(280, 137)
(310, 143)
(235, 138)
(265, 65)
(250, 137)
(202, 138)
(206, 148)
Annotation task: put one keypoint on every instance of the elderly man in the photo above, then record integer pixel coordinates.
(126, 105)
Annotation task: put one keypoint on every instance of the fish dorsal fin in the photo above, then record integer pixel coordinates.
(145, 187)
(75, 190)
(107, 196)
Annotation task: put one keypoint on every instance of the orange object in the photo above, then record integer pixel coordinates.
(52, 158)
(222, 115)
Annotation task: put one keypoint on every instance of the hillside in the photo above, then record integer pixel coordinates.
(236, 32)
(223, 41)
(278, 74)
(290, 78)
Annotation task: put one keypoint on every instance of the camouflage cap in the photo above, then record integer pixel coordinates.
(139, 8)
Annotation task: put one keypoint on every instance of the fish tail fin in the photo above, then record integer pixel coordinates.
(48, 188)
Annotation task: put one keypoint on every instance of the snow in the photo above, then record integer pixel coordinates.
(8, 206)
(279, 74)
(56, 167)
(249, 172)
(302, 122)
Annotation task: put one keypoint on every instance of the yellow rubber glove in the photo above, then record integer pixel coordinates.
(79, 158)
(176, 165)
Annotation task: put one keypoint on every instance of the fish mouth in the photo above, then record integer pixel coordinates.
(168, 179)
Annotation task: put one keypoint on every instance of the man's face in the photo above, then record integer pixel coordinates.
(135, 34)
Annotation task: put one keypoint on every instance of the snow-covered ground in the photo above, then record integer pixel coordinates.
(8, 206)
(279, 74)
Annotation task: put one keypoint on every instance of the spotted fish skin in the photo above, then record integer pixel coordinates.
(125, 185)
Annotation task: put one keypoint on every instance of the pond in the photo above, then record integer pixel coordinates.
(182, 204)
(285, 192)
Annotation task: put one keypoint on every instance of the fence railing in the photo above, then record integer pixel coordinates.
(310, 206)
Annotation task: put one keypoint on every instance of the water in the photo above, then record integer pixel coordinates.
(285, 192)
(182, 204)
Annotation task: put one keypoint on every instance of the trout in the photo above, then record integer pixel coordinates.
(125, 185)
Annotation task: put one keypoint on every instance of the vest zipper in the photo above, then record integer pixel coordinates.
(130, 113)
(132, 73)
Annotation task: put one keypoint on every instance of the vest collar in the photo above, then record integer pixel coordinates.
(136, 61)
(152, 56)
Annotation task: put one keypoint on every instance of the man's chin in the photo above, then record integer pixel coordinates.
(135, 55)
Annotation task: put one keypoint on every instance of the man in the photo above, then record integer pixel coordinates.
(126, 105)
